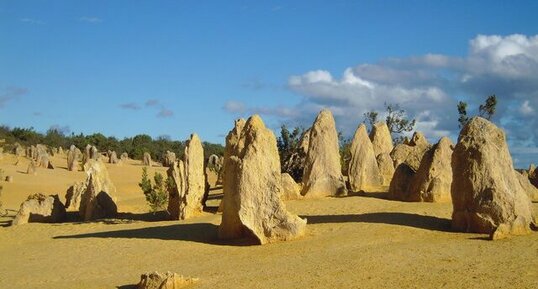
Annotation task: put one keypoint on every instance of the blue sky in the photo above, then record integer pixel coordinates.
(175, 67)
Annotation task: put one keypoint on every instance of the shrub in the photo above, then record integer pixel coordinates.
(156, 194)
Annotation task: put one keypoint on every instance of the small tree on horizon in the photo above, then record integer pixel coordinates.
(486, 110)
(396, 120)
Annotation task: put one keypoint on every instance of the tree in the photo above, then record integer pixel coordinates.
(156, 195)
(462, 111)
(486, 110)
(396, 120)
(370, 118)
(288, 150)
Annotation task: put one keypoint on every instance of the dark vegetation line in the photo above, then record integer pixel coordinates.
(134, 146)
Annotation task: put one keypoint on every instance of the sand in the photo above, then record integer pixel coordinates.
(351, 242)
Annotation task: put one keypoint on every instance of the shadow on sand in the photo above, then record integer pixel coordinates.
(196, 232)
(391, 218)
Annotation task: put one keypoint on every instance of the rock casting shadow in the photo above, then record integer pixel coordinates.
(391, 218)
(196, 232)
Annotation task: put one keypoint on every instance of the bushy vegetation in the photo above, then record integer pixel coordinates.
(486, 110)
(134, 146)
(397, 121)
(156, 194)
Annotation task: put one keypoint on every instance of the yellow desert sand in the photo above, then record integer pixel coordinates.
(350, 242)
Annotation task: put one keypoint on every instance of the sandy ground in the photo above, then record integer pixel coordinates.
(351, 242)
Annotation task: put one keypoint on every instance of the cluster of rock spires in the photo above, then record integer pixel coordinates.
(188, 196)
(92, 198)
(476, 175)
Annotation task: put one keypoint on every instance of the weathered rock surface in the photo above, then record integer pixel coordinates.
(19, 150)
(73, 196)
(252, 187)
(381, 139)
(322, 174)
(232, 141)
(40, 209)
(169, 158)
(433, 180)
(113, 158)
(32, 168)
(147, 159)
(363, 171)
(290, 189)
(97, 200)
(533, 175)
(531, 190)
(72, 158)
(410, 155)
(168, 280)
(386, 168)
(176, 194)
(487, 196)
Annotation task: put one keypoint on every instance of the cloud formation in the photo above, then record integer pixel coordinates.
(152, 102)
(428, 87)
(130, 105)
(165, 113)
(11, 93)
(32, 21)
(90, 19)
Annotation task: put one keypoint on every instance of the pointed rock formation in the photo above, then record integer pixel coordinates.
(32, 168)
(146, 159)
(40, 209)
(232, 141)
(187, 198)
(386, 168)
(381, 139)
(177, 193)
(363, 171)
(169, 159)
(97, 201)
(323, 174)
(433, 179)
(252, 188)
(113, 158)
(531, 190)
(195, 178)
(486, 194)
(72, 158)
(410, 156)
(290, 189)
(73, 196)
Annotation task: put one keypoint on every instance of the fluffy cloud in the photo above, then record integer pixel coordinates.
(428, 88)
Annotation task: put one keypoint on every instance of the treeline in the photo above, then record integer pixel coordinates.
(134, 146)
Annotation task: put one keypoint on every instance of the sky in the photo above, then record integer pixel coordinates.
(170, 68)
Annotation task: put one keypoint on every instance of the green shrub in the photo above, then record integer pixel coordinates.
(156, 194)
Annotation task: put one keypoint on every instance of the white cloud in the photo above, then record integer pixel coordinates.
(525, 108)
(233, 106)
(90, 19)
(32, 21)
(428, 88)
